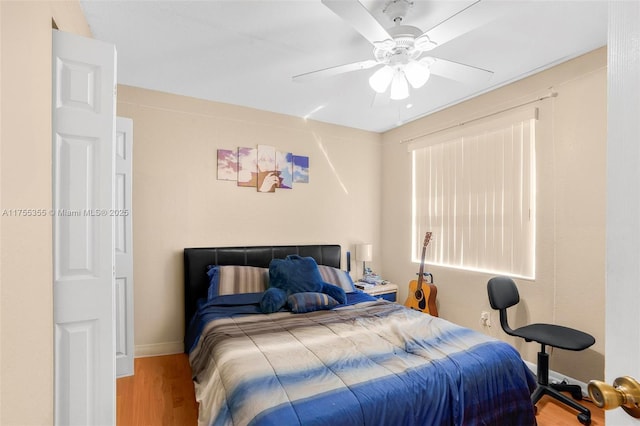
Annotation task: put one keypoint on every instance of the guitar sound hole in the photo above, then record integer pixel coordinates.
(422, 304)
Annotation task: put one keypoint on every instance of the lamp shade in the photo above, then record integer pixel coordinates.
(364, 252)
(417, 74)
(399, 86)
(381, 79)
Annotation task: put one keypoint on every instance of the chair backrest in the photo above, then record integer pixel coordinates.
(503, 292)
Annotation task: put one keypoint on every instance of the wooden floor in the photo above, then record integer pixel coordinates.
(161, 393)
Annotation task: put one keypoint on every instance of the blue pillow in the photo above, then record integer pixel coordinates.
(272, 300)
(310, 301)
(295, 274)
(336, 292)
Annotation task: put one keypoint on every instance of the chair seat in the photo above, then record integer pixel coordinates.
(556, 336)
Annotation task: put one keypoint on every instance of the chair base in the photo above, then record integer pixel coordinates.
(553, 390)
(584, 415)
(574, 390)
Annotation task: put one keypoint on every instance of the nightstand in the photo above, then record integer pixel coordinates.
(383, 291)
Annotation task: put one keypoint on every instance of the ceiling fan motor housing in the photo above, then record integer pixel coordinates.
(403, 48)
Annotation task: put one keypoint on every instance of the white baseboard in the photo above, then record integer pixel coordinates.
(555, 377)
(157, 349)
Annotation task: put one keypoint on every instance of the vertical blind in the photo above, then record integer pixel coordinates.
(474, 189)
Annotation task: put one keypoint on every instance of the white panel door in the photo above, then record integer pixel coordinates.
(124, 248)
(622, 345)
(84, 83)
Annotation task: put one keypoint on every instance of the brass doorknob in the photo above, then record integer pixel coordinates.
(624, 393)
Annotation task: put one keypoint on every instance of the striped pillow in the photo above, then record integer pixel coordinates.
(337, 277)
(231, 279)
(300, 303)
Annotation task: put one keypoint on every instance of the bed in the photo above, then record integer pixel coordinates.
(363, 362)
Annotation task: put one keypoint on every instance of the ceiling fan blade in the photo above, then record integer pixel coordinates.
(461, 72)
(333, 71)
(475, 15)
(359, 17)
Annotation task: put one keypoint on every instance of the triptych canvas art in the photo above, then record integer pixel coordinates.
(264, 168)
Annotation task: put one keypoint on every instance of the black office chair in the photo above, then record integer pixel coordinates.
(503, 294)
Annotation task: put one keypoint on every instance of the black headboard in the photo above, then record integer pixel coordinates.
(196, 260)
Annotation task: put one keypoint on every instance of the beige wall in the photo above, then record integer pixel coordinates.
(569, 284)
(26, 303)
(178, 202)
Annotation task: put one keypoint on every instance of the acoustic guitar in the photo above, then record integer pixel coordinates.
(422, 296)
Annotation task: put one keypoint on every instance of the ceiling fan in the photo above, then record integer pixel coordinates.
(398, 50)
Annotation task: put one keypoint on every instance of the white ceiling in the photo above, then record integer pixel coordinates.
(245, 52)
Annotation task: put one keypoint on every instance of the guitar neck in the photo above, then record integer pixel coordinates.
(421, 273)
(427, 238)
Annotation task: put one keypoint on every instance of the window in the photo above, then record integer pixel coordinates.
(474, 189)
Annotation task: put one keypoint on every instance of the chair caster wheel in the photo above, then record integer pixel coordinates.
(584, 419)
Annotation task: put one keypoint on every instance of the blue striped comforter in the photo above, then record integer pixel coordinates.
(366, 363)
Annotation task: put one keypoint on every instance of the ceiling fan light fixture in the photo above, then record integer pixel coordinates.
(427, 61)
(423, 43)
(386, 45)
(399, 86)
(417, 74)
(381, 79)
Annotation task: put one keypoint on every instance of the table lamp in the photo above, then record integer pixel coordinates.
(364, 254)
